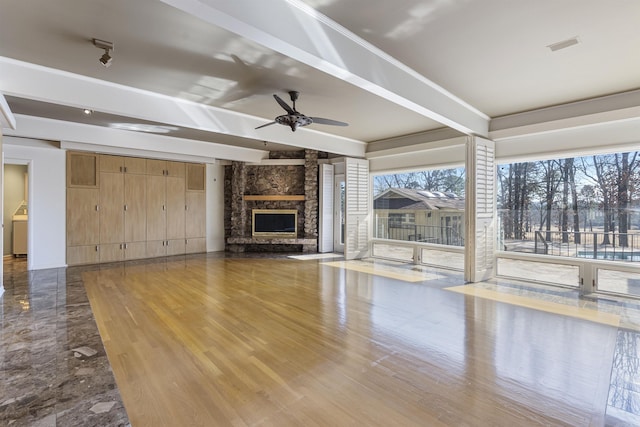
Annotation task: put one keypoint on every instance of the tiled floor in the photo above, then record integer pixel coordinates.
(53, 367)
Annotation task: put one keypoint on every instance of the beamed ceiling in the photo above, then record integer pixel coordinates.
(202, 73)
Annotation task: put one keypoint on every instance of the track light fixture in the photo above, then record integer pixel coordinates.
(108, 48)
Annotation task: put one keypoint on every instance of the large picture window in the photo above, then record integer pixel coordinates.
(586, 207)
(424, 206)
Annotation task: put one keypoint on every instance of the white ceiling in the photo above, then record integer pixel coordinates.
(389, 69)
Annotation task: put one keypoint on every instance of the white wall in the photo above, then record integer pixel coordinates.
(215, 207)
(47, 199)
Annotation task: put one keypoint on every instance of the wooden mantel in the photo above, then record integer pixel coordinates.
(272, 197)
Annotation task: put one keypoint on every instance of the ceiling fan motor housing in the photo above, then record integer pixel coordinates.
(294, 120)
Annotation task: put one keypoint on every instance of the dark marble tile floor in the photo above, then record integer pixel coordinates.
(53, 366)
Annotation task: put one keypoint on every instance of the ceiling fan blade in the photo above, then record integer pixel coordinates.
(322, 121)
(284, 105)
(265, 125)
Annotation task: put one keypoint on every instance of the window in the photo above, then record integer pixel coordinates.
(401, 219)
(423, 206)
(585, 207)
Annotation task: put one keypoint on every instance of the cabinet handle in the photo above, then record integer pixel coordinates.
(186, 208)
(96, 248)
(120, 245)
(163, 207)
(163, 243)
(167, 243)
(125, 207)
(126, 245)
(125, 169)
(97, 207)
(120, 168)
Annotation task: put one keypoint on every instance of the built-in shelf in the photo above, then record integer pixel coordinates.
(271, 197)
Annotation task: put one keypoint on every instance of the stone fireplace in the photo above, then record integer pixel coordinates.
(288, 182)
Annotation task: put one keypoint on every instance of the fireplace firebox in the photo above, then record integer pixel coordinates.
(274, 223)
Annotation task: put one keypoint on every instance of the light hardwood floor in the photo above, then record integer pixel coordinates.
(208, 341)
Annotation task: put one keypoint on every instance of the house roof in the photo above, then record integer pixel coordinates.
(424, 199)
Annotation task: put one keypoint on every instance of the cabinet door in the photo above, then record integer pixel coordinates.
(111, 252)
(77, 255)
(195, 246)
(156, 248)
(135, 250)
(156, 167)
(196, 174)
(176, 169)
(195, 215)
(111, 207)
(82, 169)
(156, 209)
(175, 207)
(135, 208)
(109, 163)
(176, 246)
(83, 220)
(135, 165)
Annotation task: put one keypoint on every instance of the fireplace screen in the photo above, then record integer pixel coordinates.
(274, 222)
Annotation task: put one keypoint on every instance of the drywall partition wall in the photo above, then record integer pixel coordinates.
(47, 199)
(215, 207)
(14, 194)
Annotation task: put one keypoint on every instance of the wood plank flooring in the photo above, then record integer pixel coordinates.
(207, 341)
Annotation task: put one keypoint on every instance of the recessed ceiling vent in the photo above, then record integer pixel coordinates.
(563, 44)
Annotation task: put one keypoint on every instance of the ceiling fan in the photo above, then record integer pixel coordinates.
(295, 119)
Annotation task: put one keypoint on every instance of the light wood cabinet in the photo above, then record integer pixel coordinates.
(121, 164)
(176, 247)
(86, 254)
(122, 251)
(135, 208)
(166, 209)
(176, 206)
(111, 252)
(165, 168)
(83, 220)
(156, 248)
(123, 205)
(195, 245)
(111, 207)
(156, 208)
(196, 174)
(195, 225)
(135, 250)
(82, 169)
(121, 208)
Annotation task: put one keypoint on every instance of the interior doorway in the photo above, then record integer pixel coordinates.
(15, 209)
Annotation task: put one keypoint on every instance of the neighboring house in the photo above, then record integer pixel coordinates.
(419, 215)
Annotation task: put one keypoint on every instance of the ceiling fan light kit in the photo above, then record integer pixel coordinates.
(294, 119)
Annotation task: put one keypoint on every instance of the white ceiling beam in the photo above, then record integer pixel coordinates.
(32, 81)
(298, 31)
(7, 119)
(595, 111)
(97, 136)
